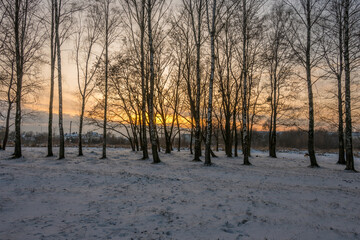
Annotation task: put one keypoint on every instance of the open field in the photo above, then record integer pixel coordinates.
(126, 198)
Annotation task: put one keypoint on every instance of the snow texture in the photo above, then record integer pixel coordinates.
(123, 197)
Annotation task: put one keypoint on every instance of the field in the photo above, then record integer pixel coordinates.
(123, 197)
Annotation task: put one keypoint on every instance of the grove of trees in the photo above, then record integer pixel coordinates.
(212, 69)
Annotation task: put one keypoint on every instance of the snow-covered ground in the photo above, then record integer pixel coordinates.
(126, 198)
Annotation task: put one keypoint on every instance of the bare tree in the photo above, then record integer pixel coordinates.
(87, 60)
(136, 11)
(152, 117)
(60, 24)
(196, 8)
(249, 17)
(347, 62)
(278, 58)
(228, 83)
(22, 25)
(308, 14)
(213, 33)
(52, 79)
(57, 10)
(110, 23)
(333, 48)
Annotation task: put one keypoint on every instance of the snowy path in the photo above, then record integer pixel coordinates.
(126, 198)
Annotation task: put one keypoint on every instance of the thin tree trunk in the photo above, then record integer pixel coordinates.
(153, 134)
(191, 136)
(198, 88)
(167, 140)
(81, 125)
(235, 141)
(10, 103)
(178, 125)
(19, 77)
(341, 159)
(273, 128)
(311, 148)
(211, 83)
(57, 40)
(217, 137)
(107, 12)
(143, 84)
(7, 126)
(244, 103)
(52, 82)
(348, 121)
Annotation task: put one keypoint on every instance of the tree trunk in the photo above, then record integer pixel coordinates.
(198, 88)
(217, 137)
(10, 103)
(143, 84)
(274, 116)
(7, 126)
(167, 140)
(244, 101)
(228, 134)
(348, 121)
(191, 136)
(153, 133)
(19, 78)
(178, 126)
(81, 125)
(235, 136)
(107, 12)
(341, 159)
(52, 82)
(57, 40)
(311, 148)
(211, 83)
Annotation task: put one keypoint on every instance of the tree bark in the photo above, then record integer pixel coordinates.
(10, 103)
(107, 12)
(211, 83)
(81, 125)
(52, 82)
(153, 133)
(143, 84)
(244, 100)
(7, 126)
(348, 121)
(198, 86)
(57, 10)
(19, 77)
(311, 148)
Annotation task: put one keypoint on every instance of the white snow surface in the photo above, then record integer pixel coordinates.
(123, 197)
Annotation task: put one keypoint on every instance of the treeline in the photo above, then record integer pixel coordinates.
(289, 140)
(215, 68)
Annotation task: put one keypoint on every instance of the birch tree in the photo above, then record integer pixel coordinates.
(196, 10)
(22, 26)
(136, 11)
(333, 48)
(152, 117)
(351, 19)
(87, 60)
(110, 22)
(279, 61)
(213, 33)
(249, 10)
(305, 46)
(228, 83)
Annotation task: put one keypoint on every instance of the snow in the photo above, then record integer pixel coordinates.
(125, 198)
